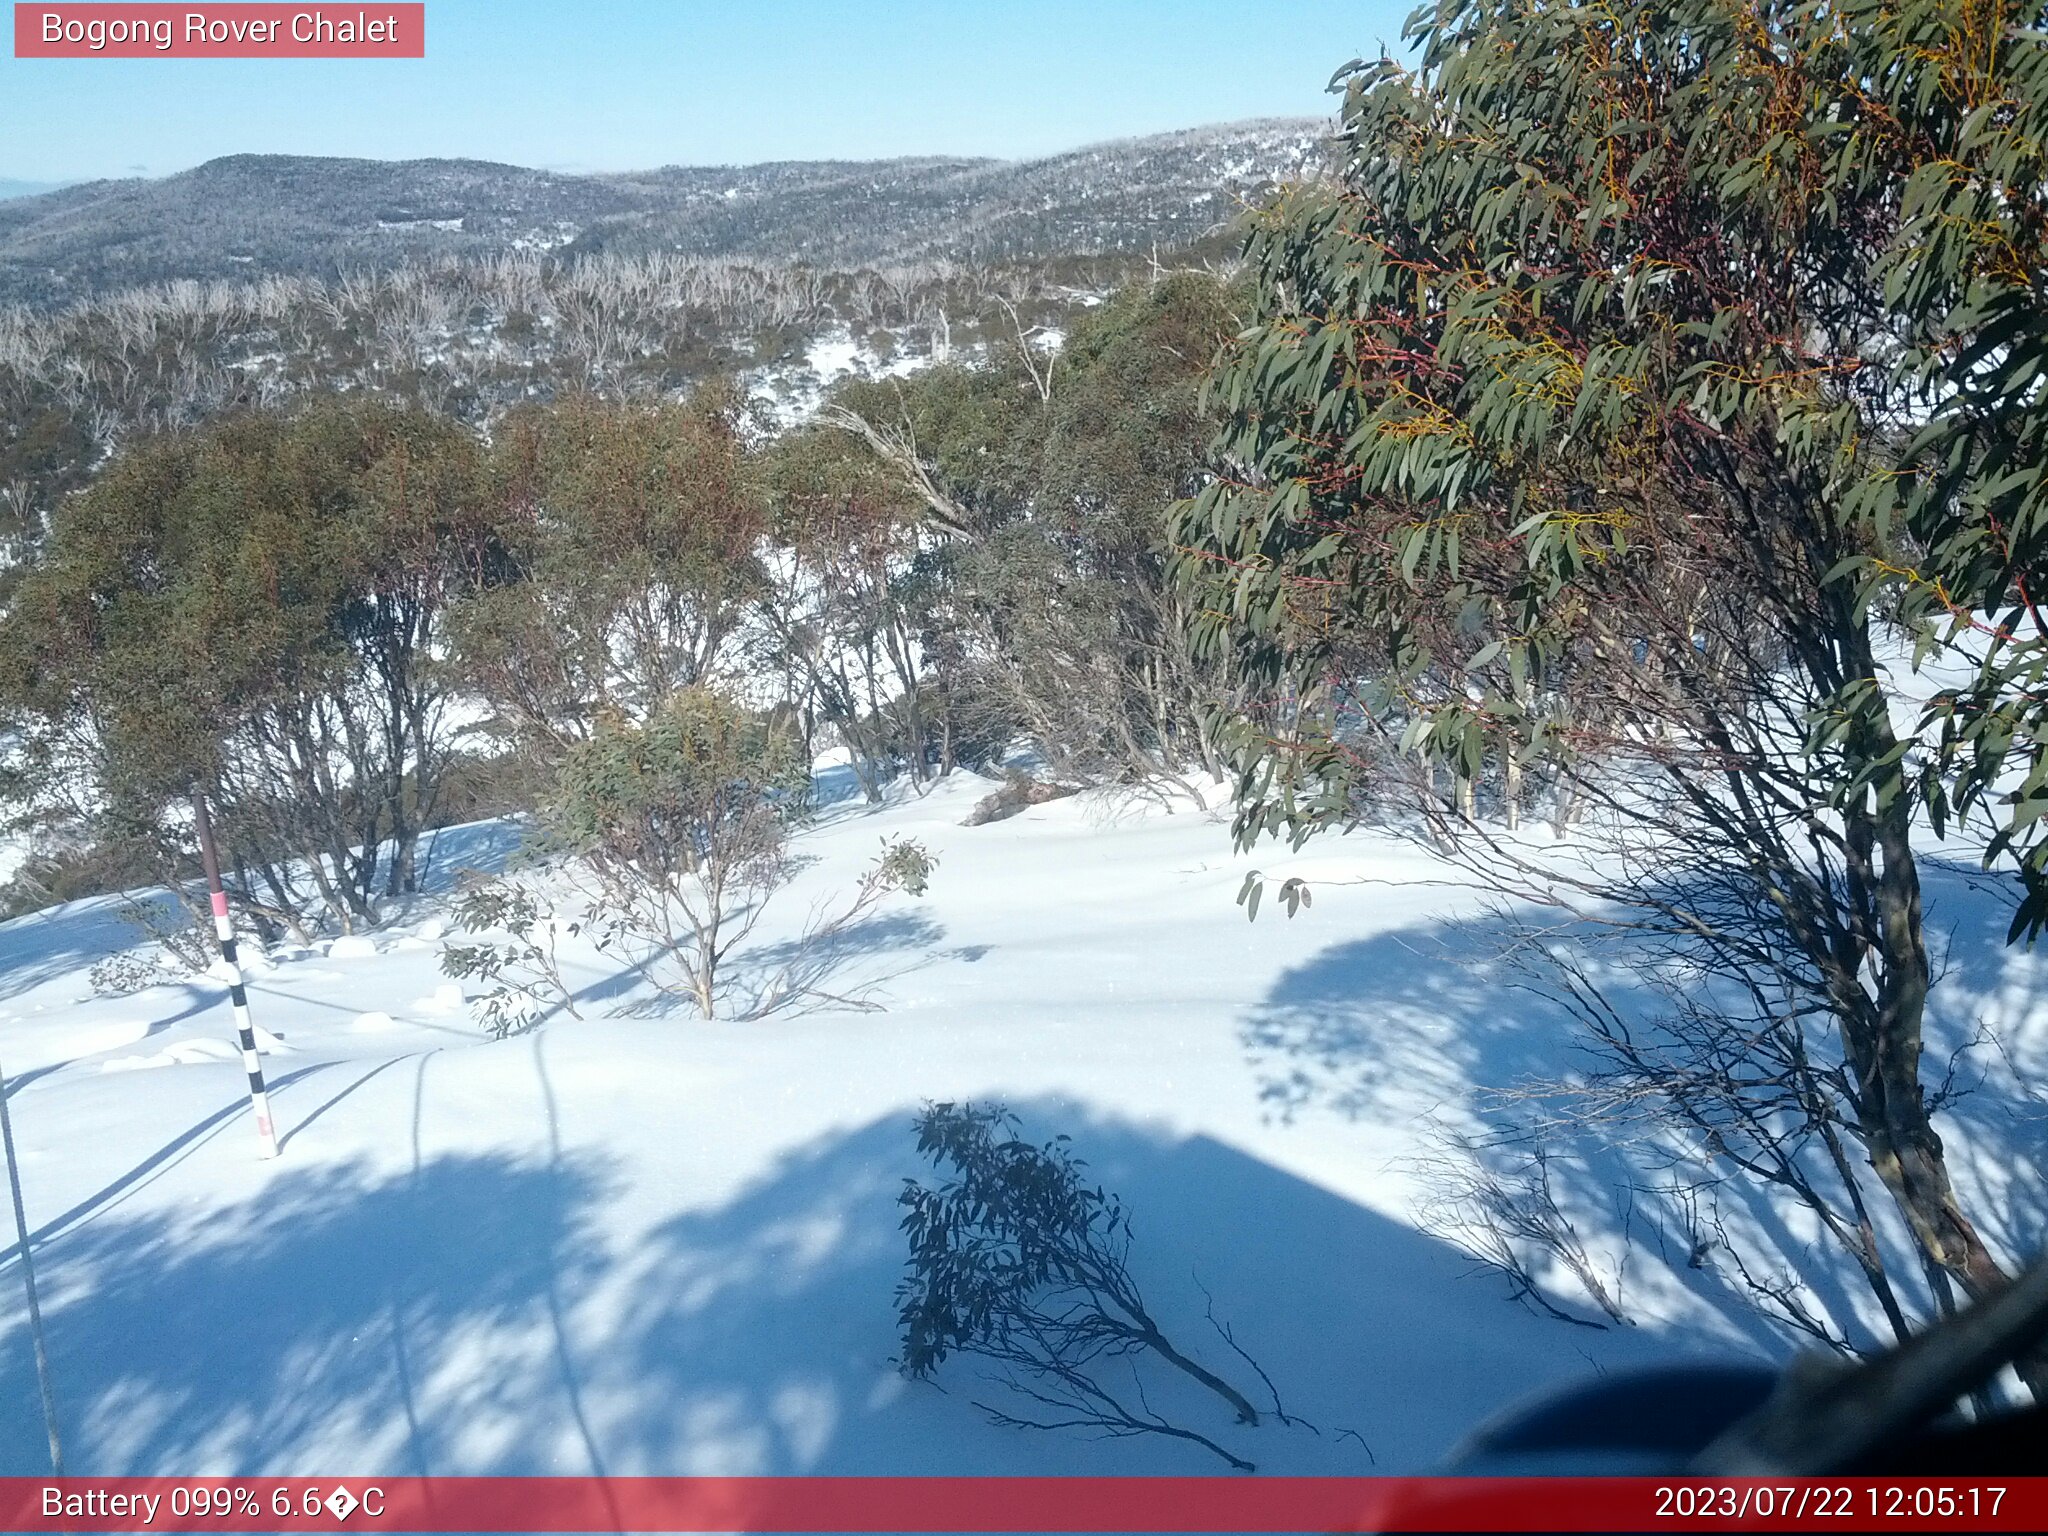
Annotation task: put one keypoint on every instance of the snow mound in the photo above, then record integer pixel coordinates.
(196, 1051)
(91, 1039)
(352, 946)
(184, 1053)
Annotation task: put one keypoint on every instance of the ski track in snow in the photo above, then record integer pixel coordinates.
(659, 1245)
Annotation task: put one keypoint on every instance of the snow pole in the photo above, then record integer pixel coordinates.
(28, 1284)
(224, 929)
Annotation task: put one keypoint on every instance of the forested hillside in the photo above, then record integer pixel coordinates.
(255, 215)
(470, 287)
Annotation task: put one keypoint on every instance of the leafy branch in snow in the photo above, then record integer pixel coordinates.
(525, 967)
(1016, 1258)
(904, 865)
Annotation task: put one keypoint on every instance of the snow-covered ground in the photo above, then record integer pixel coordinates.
(794, 391)
(655, 1244)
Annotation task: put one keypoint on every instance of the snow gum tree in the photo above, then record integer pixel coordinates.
(849, 618)
(256, 609)
(1641, 369)
(632, 532)
(1043, 478)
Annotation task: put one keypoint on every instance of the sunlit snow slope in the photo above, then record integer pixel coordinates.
(659, 1245)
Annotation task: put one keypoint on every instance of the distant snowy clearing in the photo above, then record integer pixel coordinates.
(652, 1244)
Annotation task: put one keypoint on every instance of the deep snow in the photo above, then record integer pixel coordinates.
(662, 1245)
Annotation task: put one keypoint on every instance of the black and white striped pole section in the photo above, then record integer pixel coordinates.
(224, 928)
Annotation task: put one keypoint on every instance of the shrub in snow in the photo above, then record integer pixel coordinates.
(1017, 1258)
(118, 975)
(681, 828)
(905, 865)
(178, 930)
(184, 947)
(523, 967)
(673, 837)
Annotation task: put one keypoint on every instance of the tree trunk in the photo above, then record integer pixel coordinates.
(1884, 1045)
(704, 975)
(1246, 1413)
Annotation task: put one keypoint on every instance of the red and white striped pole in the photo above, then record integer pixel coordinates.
(224, 928)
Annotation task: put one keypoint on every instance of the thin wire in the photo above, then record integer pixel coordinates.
(28, 1281)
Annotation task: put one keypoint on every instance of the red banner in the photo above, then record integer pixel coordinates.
(1019, 1504)
(112, 31)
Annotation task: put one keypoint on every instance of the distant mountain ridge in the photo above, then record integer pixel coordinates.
(250, 214)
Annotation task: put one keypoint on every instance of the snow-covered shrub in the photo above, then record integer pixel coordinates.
(1017, 1258)
(524, 968)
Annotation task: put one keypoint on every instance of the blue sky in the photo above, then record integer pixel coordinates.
(625, 84)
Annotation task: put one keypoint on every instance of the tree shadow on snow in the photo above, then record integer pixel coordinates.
(446, 854)
(850, 963)
(1432, 1022)
(487, 1314)
(1987, 1053)
(828, 971)
(59, 943)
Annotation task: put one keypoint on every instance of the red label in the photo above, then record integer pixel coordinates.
(1021, 1504)
(114, 31)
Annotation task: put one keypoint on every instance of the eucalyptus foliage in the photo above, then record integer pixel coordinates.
(1018, 1257)
(1587, 257)
(1650, 372)
(682, 823)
